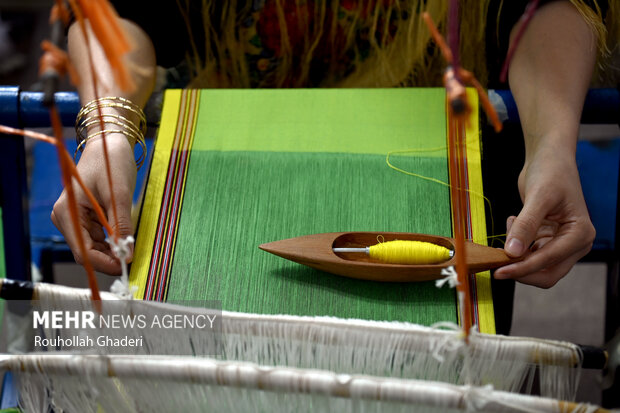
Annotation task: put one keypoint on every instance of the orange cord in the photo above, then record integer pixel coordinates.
(74, 173)
(438, 38)
(456, 97)
(105, 25)
(60, 12)
(454, 88)
(457, 195)
(102, 18)
(73, 208)
(57, 60)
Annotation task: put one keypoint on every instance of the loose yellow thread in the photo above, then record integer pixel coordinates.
(409, 252)
(438, 181)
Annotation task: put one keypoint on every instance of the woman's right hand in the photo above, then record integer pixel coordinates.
(93, 172)
(141, 65)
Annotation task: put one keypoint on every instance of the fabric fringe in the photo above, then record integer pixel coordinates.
(348, 43)
(329, 44)
(388, 349)
(608, 71)
(140, 384)
(607, 33)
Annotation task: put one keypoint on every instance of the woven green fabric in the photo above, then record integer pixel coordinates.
(266, 165)
(235, 201)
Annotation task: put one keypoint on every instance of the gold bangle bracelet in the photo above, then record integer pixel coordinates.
(139, 141)
(90, 115)
(82, 130)
(86, 110)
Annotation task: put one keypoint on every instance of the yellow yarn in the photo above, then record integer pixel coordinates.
(399, 53)
(409, 252)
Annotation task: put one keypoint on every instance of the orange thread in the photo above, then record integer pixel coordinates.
(105, 25)
(73, 209)
(60, 12)
(103, 18)
(459, 110)
(57, 60)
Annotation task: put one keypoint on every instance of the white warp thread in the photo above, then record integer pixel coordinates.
(450, 278)
(394, 349)
(135, 384)
(120, 287)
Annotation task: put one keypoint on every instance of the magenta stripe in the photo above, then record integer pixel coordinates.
(172, 226)
(162, 213)
(176, 200)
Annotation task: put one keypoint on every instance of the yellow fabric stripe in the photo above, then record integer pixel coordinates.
(486, 316)
(180, 134)
(154, 192)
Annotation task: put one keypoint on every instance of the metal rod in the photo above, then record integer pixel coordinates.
(366, 249)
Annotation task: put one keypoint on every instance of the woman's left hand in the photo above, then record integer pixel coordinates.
(553, 230)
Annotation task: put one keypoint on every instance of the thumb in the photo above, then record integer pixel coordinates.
(122, 226)
(523, 229)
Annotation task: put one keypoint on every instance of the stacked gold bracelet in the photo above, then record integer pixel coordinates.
(89, 116)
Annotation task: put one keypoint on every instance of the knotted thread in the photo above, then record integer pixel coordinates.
(409, 252)
(450, 277)
(121, 250)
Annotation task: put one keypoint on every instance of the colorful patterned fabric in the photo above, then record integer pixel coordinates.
(233, 169)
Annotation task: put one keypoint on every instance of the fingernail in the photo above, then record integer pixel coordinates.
(509, 223)
(130, 255)
(514, 247)
(503, 272)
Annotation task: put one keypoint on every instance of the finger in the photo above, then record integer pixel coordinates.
(123, 226)
(550, 276)
(98, 254)
(509, 222)
(100, 260)
(544, 258)
(523, 229)
(104, 261)
(96, 231)
(540, 242)
(102, 246)
(547, 229)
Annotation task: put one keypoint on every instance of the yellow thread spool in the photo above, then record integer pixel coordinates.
(409, 252)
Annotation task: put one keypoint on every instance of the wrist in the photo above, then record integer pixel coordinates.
(115, 142)
(555, 145)
(121, 121)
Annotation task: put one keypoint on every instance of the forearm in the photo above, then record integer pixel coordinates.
(140, 62)
(549, 77)
(122, 167)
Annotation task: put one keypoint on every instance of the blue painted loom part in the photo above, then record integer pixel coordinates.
(25, 109)
(8, 392)
(599, 170)
(602, 106)
(33, 114)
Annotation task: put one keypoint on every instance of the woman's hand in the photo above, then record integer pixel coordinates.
(141, 64)
(553, 230)
(92, 171)
(549, 77)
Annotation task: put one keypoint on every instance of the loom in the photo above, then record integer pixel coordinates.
(310, 361)
(307, 337)
(336, 344)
